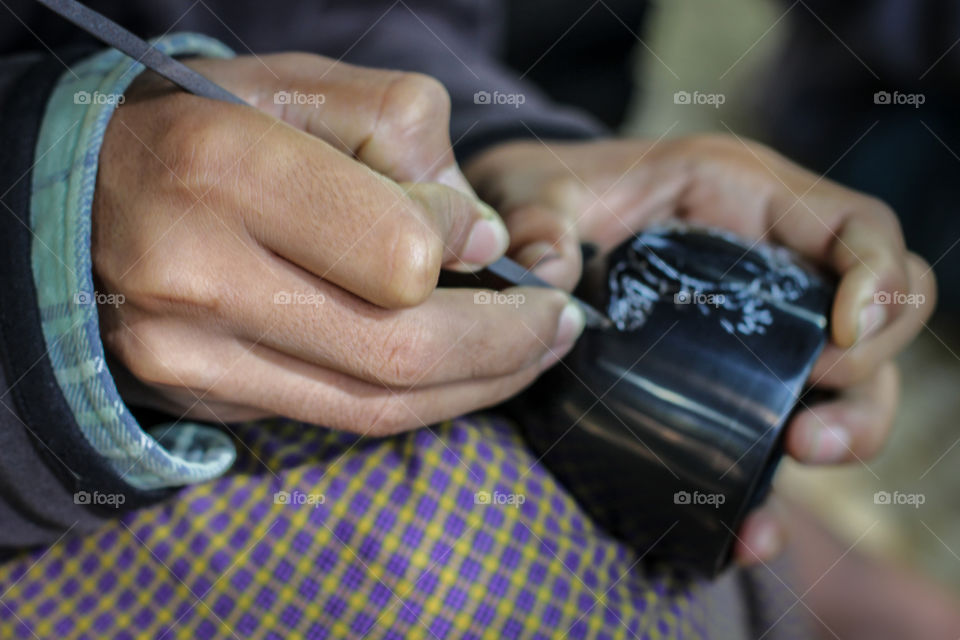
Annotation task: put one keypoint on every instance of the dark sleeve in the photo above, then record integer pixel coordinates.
(869, 48)
(457, 42)
(901, 42)
(44, 457)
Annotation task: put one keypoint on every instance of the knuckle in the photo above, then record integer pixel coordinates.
(414, 103)
(150, 370)
(155, 285)
(563, 188)
(207, 143)
(189, 149)
(154, 355)
(406, 356)
(876, 206)
(412, 263)
(882, 215)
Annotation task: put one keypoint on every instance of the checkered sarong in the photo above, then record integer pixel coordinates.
(317, 534)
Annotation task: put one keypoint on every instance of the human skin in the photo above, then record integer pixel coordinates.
(554, 196)
(347, 208)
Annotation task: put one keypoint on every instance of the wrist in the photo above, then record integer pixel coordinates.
(75, 121)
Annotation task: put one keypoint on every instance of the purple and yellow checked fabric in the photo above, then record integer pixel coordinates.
(449, 532)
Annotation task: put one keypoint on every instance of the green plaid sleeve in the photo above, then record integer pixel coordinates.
(64, 177)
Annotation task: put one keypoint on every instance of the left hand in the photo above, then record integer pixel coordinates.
(555, 196)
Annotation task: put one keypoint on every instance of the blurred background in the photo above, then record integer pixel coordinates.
(860, 91)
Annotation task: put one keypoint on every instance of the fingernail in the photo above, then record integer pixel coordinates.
(488, 240)
(533, 254)
(572, 322)
(872, 318)
(766, 543)
(569, 328)
(829, 445)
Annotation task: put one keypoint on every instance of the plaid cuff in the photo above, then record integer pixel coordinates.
(64, 177)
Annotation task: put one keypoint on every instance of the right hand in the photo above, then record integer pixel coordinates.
(270, 265)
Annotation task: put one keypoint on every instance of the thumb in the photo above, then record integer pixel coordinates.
(472, 233)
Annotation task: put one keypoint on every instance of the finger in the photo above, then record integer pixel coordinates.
(838, 367)
(164, 363)
(860, 240)
(282, 385)
(869, 262)
(852, 427)
(343, 222)
(395, 122)
(447, 212)
(761, 537)
(184, 363)
(544, 240)
(456, 334)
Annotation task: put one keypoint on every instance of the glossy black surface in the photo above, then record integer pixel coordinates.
(684, 401)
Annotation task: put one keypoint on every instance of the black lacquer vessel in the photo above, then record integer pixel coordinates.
(667, 428)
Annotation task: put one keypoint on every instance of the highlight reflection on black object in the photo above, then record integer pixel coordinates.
(668, 427)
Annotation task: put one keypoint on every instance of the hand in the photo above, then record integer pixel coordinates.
(554, 197)
(271, 265)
